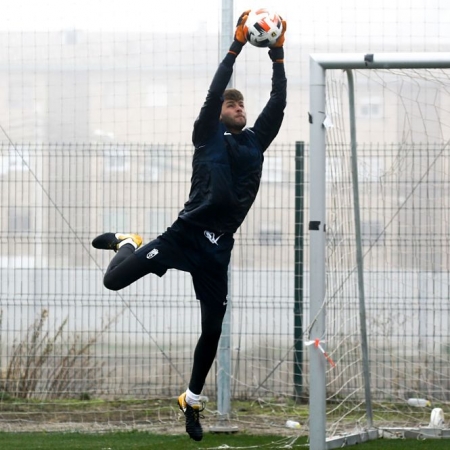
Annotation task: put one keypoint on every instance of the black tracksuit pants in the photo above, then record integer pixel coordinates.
(205, 254)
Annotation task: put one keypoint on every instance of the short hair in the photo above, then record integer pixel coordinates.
(233, 94)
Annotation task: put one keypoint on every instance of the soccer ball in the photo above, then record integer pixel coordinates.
(263, 27)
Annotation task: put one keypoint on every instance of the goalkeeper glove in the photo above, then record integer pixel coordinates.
(240, 33)
(276, 51)
(240, 38)
(280, 41)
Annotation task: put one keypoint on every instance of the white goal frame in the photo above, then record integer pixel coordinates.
(319, 63)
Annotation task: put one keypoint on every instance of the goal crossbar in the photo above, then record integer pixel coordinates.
(436, 60)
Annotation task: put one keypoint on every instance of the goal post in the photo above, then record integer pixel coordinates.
(317, 334)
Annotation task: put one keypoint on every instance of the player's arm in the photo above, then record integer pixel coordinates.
(208, 119)
(269, 121)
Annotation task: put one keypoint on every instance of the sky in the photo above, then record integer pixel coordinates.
(155, 15)
(106, 15)
(317, 26)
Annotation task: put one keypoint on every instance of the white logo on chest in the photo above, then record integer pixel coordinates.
(212, 237)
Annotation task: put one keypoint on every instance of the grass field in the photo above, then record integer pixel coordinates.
(142, 440)
(158, 424)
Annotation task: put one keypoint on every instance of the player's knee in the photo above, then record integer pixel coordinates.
(112, 283)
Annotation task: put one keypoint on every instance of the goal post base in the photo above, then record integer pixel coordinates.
(223, 425)
(351, 439)
(415, 433)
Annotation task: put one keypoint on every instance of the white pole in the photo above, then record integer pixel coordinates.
(317, 229)
(224, 349)
(359, 250)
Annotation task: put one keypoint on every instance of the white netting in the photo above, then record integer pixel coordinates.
(404, 199)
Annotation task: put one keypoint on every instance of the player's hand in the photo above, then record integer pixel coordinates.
(240, 32)
(280, 41)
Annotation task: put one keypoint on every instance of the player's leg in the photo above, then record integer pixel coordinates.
(212, 314)
(211, 289)
(133, 260)
(123, 269)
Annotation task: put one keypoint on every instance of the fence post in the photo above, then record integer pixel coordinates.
(298, 283)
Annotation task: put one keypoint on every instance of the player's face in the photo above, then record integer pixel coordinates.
(233, 115)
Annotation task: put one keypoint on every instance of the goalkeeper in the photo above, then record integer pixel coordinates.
(227, 166)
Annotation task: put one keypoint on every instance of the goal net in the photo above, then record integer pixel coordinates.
(379, 293)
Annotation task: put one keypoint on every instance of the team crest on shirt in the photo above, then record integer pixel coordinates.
(152, 253)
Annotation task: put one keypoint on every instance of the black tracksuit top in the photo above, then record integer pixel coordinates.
(227, 167)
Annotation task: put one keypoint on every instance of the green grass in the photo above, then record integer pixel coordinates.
(141, 440)
(88, 424)
(138, 440)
